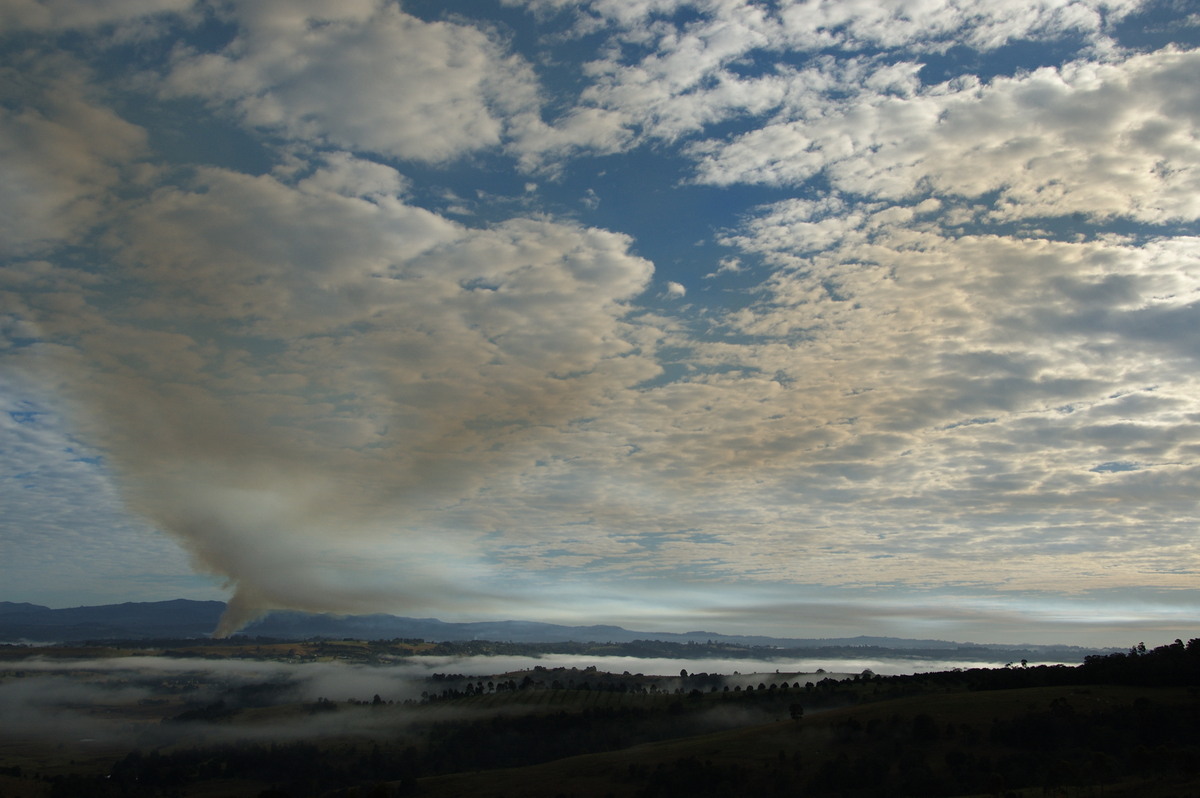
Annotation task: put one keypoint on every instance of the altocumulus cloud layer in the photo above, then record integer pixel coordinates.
(804, 317)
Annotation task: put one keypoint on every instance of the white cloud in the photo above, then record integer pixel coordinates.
(850, 24)
(703, 71)
(542, 146)
(955, 385)
(943, 23)
(726, 266)
(1100, 139)
(625, 12)
(363, 76)
(349, 176)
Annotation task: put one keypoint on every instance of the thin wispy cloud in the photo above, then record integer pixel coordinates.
(661, 313)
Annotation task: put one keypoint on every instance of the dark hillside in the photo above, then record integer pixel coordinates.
(1126, 723)
(1122, 740)
(1120, 725)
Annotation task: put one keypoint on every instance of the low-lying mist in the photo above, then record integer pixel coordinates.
(155, 702)
(152, 702)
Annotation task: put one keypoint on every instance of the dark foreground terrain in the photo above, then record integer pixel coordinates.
(91, 721)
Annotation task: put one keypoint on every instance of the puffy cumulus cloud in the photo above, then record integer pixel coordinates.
(1114, 139)
(61, 152)
(542, 146)
(821, 24)
(58, 15)
(665, 78)
(684, 84)
(334, 365)
(940, 25)
(629, 13)
(369, 77)
(363, 75)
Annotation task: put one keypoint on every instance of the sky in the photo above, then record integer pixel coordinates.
(793, 317)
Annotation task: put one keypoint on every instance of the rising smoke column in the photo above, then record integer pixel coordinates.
(291, 377)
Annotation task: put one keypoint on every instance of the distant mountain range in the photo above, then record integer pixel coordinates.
(183, 618)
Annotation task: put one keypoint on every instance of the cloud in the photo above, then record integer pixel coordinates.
(725, 266)
(939, 25)
(61, 153)
(58, 15)
(729, 60)
(1104, 140)
(542, 146)
(947, 342)
(926, 328)
(363, 76)
(369, 77)
(889, 368)
(808, 25)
